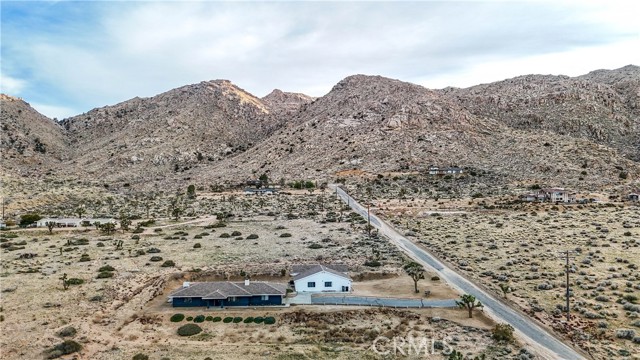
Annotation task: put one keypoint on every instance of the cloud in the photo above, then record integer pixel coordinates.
(54, 111)
(83, 55)
(10, 85)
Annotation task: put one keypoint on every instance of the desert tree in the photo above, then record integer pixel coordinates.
(80, 211)
(65, 281)
(125, 221)
(415, 271)
(108, 228)
(191, 191)
(50, 226)
(468, 302)
(506, 289)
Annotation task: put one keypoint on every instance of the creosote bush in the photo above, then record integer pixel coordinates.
(140, 356)
(189, 330)
(198, 319)
(227, 319)
(502, 332)
(168, 263)
(237, 319)
(64, 348)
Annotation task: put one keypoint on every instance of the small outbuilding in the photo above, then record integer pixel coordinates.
(321, 278)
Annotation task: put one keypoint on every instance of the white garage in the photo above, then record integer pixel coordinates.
(320, 278)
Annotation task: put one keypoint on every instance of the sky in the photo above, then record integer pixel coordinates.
(68, 57)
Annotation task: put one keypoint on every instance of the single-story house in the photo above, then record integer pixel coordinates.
(634, 197)
(3, 225)
(226, 293)
(321, 278)
(74, 222)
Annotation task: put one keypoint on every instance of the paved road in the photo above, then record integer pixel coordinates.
(377, 301)
(549, 346)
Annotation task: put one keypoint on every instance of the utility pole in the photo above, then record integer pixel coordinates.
(369, 220)
(565, 255)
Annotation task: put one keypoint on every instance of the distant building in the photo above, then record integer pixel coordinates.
(226, 293)
(434, 170)
(633, 197)
(262, 191)
(555, 195)
(321, 278)
(74, 222)
(3, 225)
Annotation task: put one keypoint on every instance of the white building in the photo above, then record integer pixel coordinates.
(73, 222)
(320, 278)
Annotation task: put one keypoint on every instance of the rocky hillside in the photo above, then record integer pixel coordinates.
(377, 125)
(189, 127)
(554, 130)
(600, 106)
(286, 103)
(28, 139)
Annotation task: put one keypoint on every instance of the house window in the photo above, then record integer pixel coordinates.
(264, 297)
(187, 300)
(327, 284)
(311, 284)
(232, 299)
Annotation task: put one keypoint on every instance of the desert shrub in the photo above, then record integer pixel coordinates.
(285, 235)
(198, 319)
(64, 348)
(625, 334)
(248, 320)
(236, 233)
(258, 320)
(315, 246)
(631, 298)
(209, 318)
(75, 281)
(153, 251)
(189, 318)
(105, 275)
(435, 278)
(252, 236)
(177, 317)
(217, 319)
(372, 263)
(225, 235)
(502, 332)
(68, 331)
(106, 268)
(189, 329)
(100, 244)
(140, 356)
(269, 320)
(227, 320)
(156, 258)
(135, 237)
(237, 319)
(168, 263)
(84, 258)
(197, 245)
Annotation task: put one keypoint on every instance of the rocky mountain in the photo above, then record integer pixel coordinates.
(600, 106)
(575, 132)
(372, 124)
(286, 103)
(28, 139)
(180, 129)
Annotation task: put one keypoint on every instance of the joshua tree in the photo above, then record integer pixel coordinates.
(505, 289)
(468, 302)
(65, 283)
(124, 222)
(108, 228)
(50, 226)
(416, 271)
(191, 191)
(80, 211)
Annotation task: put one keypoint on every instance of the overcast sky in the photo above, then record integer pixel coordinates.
(66, 58)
